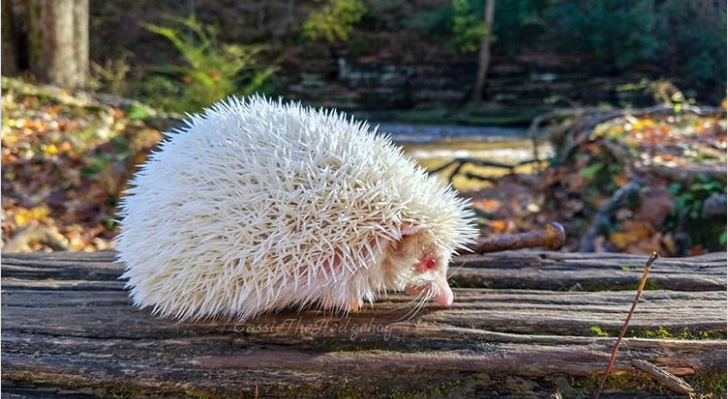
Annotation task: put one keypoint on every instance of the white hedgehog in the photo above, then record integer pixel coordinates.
(256, 206)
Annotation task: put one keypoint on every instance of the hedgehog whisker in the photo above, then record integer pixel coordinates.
(412, 304)
(421, 305)
(409, 315)
(452, 272)
(408, 305)
(422, 300)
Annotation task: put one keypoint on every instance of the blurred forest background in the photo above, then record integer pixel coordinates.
(607, 116)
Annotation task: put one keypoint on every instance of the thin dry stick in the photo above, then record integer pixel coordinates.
(641, 288)
(672, 382)
(553, 238)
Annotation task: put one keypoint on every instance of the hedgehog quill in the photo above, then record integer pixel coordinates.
(258, 205)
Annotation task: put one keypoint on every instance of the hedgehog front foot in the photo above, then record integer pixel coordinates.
(351, 306)
(355, 305)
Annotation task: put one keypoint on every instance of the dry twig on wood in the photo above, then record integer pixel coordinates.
(553, 238)
(672, 382)
(640, 288)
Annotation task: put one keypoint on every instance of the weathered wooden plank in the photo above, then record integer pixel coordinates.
(65, 334)
(518, 311)
(560, 271)
(229, 366)
(511, 269)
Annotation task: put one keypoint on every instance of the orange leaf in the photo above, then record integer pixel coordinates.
(630, 233)
(498, 225)
(620, 179)
(488, 205)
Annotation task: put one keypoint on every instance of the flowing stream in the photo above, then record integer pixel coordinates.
(435, 145)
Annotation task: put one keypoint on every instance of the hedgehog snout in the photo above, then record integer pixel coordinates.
(443, 293)
(432, 283)
(439, 290)
(435, 268)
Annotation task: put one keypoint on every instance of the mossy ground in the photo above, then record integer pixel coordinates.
(684, 333)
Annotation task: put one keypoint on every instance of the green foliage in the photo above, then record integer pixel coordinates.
(596, 330)
(432, 23)
(520, 23)
(467, 28)
(334, 21)
(708, 385)
(211, 72)
(690, 198)
(139, 111)
(660, 333)
(693, 33)
(683, 334)
(111, 77)
(687, 36)
(435, 24)
(591, 171)
(663, 91)
(618, 31)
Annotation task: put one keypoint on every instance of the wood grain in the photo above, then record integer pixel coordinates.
(68, 328)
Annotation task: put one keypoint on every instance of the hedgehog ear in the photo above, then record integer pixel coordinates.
(408, 229)
(405, 230)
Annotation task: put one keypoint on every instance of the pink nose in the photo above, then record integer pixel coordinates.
(444, 296)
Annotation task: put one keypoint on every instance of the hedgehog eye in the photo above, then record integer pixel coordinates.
(427, 263)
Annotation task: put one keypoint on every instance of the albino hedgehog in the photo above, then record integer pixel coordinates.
(256, 206)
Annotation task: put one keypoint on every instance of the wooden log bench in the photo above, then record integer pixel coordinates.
(524, 324)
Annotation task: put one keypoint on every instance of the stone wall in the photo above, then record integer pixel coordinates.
(514, 82)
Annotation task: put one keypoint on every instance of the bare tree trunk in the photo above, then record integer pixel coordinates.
(58, 41)
(484, 57)
(9, 55)
(81, 27)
